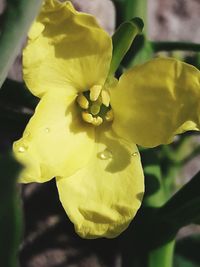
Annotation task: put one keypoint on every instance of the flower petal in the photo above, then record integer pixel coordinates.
(155, 101)
(64, 47)
(103, 197)
(54, 141)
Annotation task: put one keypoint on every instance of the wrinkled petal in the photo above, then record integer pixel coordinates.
(103, 197)
(54, 141)
(64, 47)
(50, 5)
(155, 101)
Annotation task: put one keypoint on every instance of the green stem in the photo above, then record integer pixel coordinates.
(171, 46)
(18, 18)
(158, 254)
(180, 210)
(162, 256)
(184, 207)
(128, 9)
(154, 175)
(137, 8)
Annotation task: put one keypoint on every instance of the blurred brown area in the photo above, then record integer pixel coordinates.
(174, 20)
(49, 239)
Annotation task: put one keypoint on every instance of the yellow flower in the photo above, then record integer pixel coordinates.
(84, 129)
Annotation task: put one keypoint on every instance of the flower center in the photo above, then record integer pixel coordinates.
(95, 105)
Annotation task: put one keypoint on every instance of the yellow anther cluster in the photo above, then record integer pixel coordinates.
(91, 103)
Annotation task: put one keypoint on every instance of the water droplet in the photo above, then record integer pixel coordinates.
(21, 146)
(134, 154)
(22, 149)
(26, 134)
(47, 130)
(106, 154)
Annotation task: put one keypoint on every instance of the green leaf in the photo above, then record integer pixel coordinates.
(122, 40)
(17, 20)
(154, 191)
(10, 215)
(180, 261)
(184, 207)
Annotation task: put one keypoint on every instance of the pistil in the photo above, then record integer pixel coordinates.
(95, 108)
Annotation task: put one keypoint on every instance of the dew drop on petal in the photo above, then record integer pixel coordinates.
(22, 149)
(47, 130)
(134, 154)
(22, 146)
(26, 134)
(106, 154)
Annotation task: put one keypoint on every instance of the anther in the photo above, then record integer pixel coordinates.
(87, 117)
(82, 101)
(109, 115)
(105, 98)
(95, 92)
(97, 121)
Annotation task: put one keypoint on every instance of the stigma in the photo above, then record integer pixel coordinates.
(95, 105)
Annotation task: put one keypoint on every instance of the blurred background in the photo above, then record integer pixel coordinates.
(49, 239)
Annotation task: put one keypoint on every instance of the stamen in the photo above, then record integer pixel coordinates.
(95, 105)
(82, 101)
(109, 115)
(95, 92)
(95, 108)
(97, 121)
(87, 117)
(105, 98)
